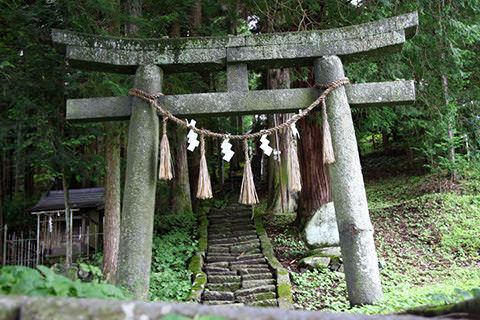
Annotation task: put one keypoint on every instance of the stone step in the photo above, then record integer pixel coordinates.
(218, 295)
(241, 227)
(233, 241)
(249, 291)
(219, 258)
(249, 266)
(264, 303)
(230, 220)
(233, 286)
(225, 273)
(223, 279)
(227, 303)
(247, 256)
(253, 271)
(244, 233)
(217, 249)
(215, 269)
(257, 283)
(257, 297)
(212, 236)
(221, 264)
(249, 261)
(223, 241)
(235, 248)
(257, 276)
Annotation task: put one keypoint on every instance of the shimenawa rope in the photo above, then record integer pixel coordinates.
(248, 193)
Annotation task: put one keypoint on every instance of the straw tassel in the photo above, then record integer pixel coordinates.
(204, 189)
(294, 181)
(328, 156)
(248, 194)
(165, 170)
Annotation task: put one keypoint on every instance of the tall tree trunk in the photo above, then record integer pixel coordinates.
(134, 9)
(112, 208)
(281, 198)
(182, 201)
(68, 225)
(1, 204)
(444, 80)
(196, 16)
(316, 189)
(111, 233)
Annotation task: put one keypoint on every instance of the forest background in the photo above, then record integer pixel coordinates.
(440, 133)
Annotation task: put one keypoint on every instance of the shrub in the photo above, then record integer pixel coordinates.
(44, 282)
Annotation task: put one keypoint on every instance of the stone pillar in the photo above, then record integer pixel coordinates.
(136, 227)
(351, 208)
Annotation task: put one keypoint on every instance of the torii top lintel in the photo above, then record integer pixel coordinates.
(275, 50)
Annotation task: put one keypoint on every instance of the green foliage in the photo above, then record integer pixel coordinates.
(172, 249)
(44, 282)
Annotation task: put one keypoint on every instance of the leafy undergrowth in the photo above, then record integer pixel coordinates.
(427, 238)
(173, 245)
(22, 280)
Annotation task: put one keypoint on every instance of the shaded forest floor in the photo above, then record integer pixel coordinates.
(428, 243)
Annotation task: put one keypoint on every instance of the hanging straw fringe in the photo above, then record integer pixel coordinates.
(248, 194)
(204, 189)
(328, 156)
(294, 181)
(165, 170)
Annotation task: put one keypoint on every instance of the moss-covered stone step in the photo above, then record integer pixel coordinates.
(232, 241)
(223, 279)
(244, 233)
(225, 303)
(222, 264)
(257, 276)
(256, 297)
(215, 268)
(245, 247)
(220, 302)
(249, 266)
(249, 261)
(220, 258)
(233, 286)
(243, 271)
(218, 295)
(257, 283)
(217, 249)
(242, 227)
(250, 291)
(220, 273)
(264, 303)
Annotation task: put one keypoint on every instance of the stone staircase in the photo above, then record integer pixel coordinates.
(237, 272)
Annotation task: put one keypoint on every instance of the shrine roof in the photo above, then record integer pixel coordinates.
(79, 199)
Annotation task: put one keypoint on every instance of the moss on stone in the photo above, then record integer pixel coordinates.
(195, 264)
(282, 272)
(200, 282)
(202, 244)
(284, 292)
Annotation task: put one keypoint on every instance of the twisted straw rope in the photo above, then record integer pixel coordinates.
(150, 98)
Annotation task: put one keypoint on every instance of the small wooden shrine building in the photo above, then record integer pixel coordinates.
(86, 207)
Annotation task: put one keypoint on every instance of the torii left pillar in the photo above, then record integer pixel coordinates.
(135, 254)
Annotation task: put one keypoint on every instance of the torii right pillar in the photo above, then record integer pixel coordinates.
(350, 200)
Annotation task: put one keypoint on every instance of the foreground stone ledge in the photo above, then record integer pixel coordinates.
(30, 308)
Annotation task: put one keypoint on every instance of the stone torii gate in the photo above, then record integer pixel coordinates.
(148, 59)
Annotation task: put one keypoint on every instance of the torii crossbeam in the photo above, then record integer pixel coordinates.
(148, 59)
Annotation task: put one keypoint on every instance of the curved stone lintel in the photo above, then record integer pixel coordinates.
(286, 49)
